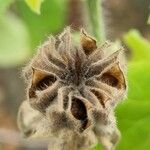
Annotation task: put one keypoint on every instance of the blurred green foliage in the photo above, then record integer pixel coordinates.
(140, 47)
(133, 115)
(4, 4)
(22, 30)
(14, 47)
(51, 20)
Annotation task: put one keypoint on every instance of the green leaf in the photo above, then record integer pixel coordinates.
(139, 46)
(35, 5)
(133, 115)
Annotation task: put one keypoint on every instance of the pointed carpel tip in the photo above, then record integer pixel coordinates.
(105, 44)
(33, 69)
(114, 56)
(51, 39)
(83, 32)
(67, 30)
(117, 53)
(121, 51)
(65, 33)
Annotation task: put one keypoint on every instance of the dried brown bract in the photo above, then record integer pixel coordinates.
(72, 91)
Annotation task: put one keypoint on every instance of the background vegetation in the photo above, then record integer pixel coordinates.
(24, 24)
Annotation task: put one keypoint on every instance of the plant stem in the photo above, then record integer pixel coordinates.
(149, 19)
(95, 17)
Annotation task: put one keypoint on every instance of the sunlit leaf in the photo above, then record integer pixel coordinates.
(35, 5)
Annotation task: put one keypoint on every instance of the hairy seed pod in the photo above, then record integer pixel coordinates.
(72, 91)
